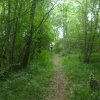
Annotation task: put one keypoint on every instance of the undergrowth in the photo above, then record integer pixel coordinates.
(78, 74)
(31, 84)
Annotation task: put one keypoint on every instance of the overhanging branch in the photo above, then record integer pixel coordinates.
(46, 16)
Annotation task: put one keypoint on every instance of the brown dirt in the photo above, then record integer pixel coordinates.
(59, 81)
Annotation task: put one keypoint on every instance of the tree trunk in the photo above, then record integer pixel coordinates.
(15, 28)
(26, 55)
(8, 33)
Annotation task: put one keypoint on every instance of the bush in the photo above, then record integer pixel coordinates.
(78, 74)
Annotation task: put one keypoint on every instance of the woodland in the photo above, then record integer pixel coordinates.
(49, 49)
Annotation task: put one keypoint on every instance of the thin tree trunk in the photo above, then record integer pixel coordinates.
(8, 33)
(29, 41)
(13, 31)
(86, 36)
(15, 27)
(94, 32)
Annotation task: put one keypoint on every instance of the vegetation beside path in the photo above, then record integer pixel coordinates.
(79, 76)
(30, 84)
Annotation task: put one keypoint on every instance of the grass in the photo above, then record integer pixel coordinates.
(78, 74)
(31, 84)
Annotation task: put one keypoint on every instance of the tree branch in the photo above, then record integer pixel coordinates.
(45, 16)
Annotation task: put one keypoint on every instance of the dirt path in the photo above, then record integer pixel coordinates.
(59, 82)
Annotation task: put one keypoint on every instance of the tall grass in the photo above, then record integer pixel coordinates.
(78, 74)
(31, 84)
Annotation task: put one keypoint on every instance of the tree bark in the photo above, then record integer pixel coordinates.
(26, 54)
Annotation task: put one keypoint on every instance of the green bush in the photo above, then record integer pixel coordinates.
(30, 84)
(78, 74)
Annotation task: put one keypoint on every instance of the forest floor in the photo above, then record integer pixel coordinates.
(59, 81)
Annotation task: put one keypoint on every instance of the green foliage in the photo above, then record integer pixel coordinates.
(58, 46)
(28, 27)
(79, 74)
(31, 84)
(24, 26)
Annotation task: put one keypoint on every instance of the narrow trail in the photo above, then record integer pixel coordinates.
(59, 81)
